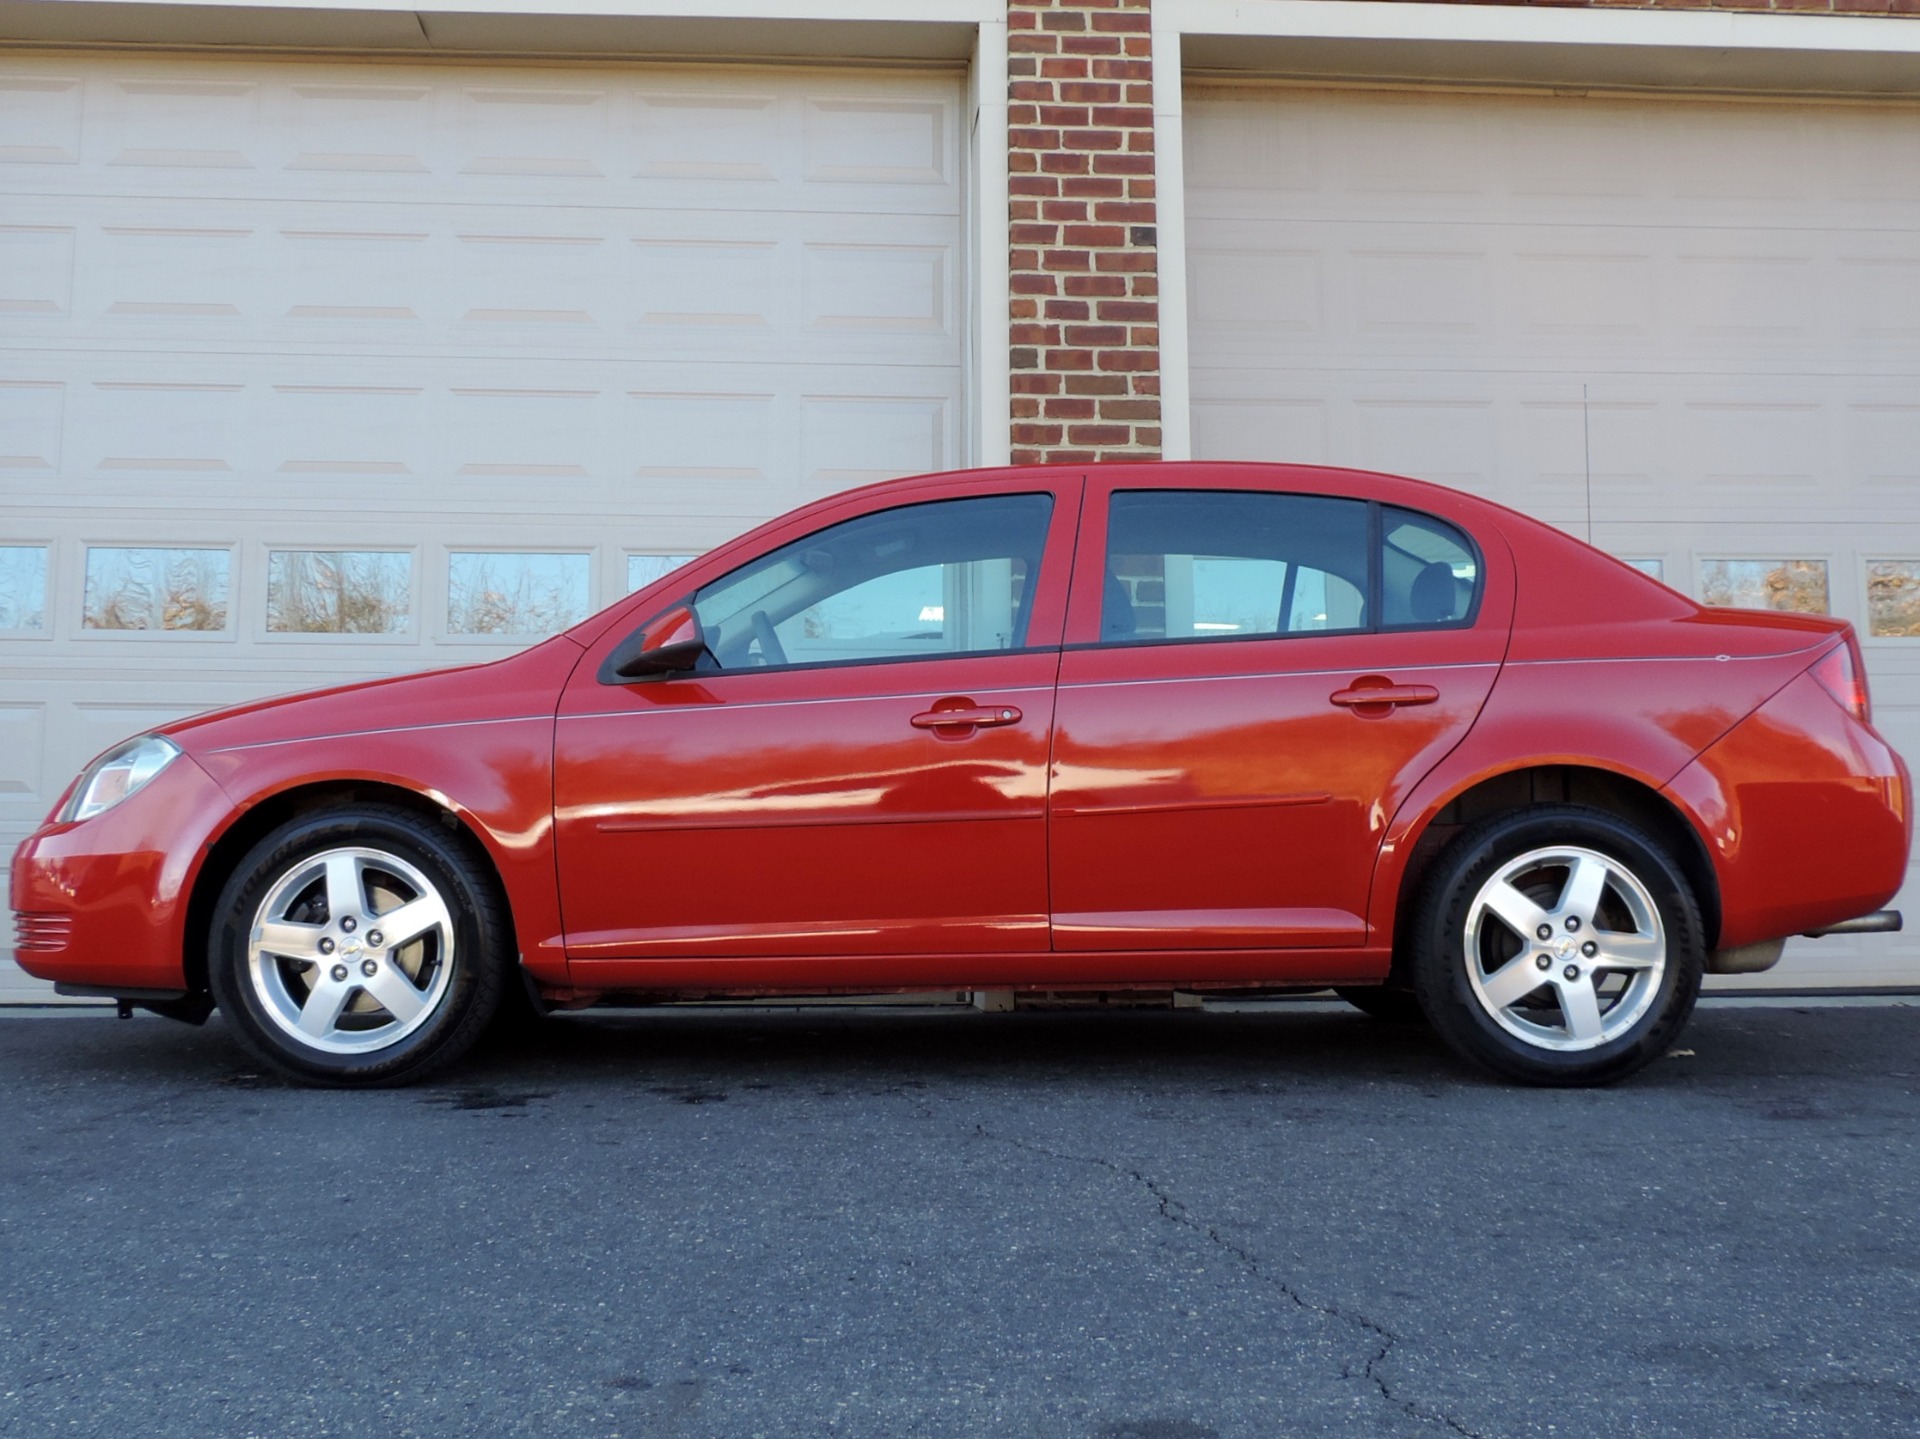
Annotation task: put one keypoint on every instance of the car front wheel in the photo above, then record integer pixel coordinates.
(361, 945)
(1559, 945)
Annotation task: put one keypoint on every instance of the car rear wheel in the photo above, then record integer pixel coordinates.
(1559, 945)
(359, 946)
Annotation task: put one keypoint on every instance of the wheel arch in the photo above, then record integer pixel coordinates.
(1627, 797)
(269, 813)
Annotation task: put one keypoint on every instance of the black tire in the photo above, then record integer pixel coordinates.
(455, 970)
(1548, 1034)
(1388, 1003)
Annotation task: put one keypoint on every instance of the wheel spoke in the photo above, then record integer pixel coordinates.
(396, 992)
(324, 1004)
(1586, 882)
(413, 919)
(1514, 982)
(289, 940)
(1629, 951)
(344, 894)
(1516, 911)
(1581, 1005)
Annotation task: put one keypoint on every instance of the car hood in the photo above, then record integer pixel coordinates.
(525, 684)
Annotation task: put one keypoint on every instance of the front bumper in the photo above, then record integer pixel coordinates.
(103, 901)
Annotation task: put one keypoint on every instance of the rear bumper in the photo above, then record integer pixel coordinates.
(103, 902)
(1806, 814)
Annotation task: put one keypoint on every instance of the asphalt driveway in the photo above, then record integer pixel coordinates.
(858, 1223)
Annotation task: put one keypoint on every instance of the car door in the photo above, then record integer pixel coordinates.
(860, 767)
(1252, 682)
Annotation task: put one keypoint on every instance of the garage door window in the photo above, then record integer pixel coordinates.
(23, 587)
(339, 592)
(1797, 586)
(156, 589)
(492, 592)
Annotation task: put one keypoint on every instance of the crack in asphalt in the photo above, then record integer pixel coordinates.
(1381, 1338)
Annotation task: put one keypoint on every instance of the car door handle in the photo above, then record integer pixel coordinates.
(1385, 695)
(978, 717)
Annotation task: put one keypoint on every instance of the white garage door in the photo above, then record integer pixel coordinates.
(1713, 309)
(313, 371)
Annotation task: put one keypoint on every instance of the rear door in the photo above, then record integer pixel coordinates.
(1253, 681)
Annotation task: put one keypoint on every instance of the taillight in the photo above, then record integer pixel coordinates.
(1843, 676)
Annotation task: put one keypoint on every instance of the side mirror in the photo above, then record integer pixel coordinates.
(672, 643)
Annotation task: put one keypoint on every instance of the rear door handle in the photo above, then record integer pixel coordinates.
(979, 717)
(1385, 695)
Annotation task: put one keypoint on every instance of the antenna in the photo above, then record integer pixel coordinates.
(1586, 445)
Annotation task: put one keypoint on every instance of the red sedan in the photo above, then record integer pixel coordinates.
(1197, 725)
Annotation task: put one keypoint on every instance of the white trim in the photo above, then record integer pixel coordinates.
(1170, 219)
(969, 12)
(1556, 25)
(989, 377)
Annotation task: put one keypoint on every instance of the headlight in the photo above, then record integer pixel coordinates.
(119, 772)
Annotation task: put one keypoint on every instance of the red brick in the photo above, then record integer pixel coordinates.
(1032, 334)
(1125, 311)
(1117, 261)
(1119, 212)
(1099, 434)
(1119, 164)
(1094, 335)
(1072, 457)
(1093, 186)
(1098, 45)
(1140, 93)
(1064, 114)
(1023, 115)
(1019, 19)
(1028, 43)
(1025, 407)
(1067, 212)
(1149, 436)
(1022, 162)
(1038, 91)
(1033, 284)
(1127, 117)
(1138, 140)
(1068, 310)
(1089, 93)
(1126, 360)
(1023, 259)
(1024, 358)
(1035, 185)
(1022, 307)
(1070, 407)
(1023, 456)
(1145, 337)
(1032, 233)
(1095, 285)
(1063, 20)
(1065, 67)
(1034, 434)
(1022, 65)
(1096, 384)
(1069, 360)
(1147, 384)
(1134, 22)
(1094, 139)
(1121, 69)
(1094, 235)
(1067, 260)
(1129, 409)
(1055, 162)
(1036, 382)
(1140, 45)
(1026, 138)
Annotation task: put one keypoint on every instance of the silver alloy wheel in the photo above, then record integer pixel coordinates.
(1547, 954)
(351, 951)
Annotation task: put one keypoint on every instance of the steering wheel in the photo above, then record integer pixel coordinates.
(772, 652)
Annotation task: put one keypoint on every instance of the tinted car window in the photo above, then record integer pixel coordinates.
(1429, 571)
(1212, 564)
(945, 578)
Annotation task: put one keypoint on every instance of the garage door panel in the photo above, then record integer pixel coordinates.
(700, 137)
(437, 333)
(1691, 331)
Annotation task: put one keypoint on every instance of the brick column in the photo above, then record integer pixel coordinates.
(1085, 338)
